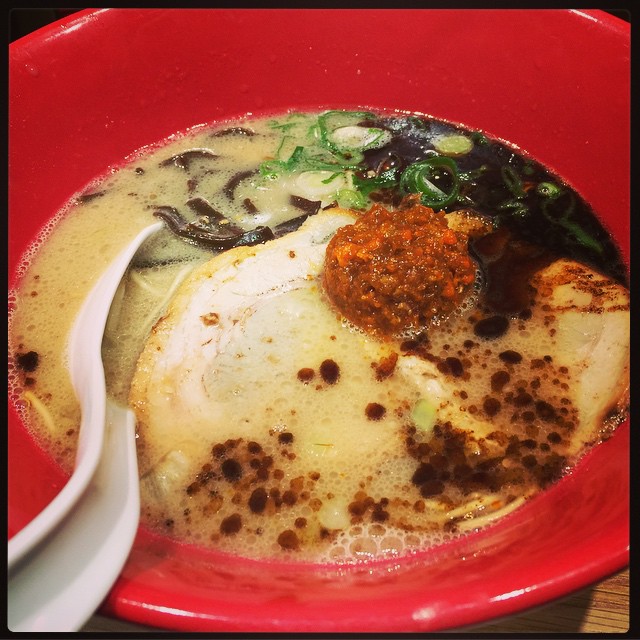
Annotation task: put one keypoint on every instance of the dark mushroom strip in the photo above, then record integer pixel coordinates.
(234, 131)
(290, 225)
(230, 188)
(203, 208)
(310, 207)
(184, 159)
(249, 206)
(207, 236)
(194, 182)
(88, 197)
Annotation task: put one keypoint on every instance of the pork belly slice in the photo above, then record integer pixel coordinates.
(189, 363)
(574, 358)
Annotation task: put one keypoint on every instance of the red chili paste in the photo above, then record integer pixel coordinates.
(396, 272)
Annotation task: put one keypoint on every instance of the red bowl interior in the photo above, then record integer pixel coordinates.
(87, 91)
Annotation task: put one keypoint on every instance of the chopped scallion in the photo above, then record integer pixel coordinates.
(513, 181)
(350, 199)
(330, 121)
(421, 177)
(320, 185)
(453, 145)
(354, 138)
(548, 190)
(424, 415)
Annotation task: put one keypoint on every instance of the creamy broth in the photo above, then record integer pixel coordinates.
(284, 430)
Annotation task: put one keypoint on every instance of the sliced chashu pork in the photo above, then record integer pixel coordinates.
(232, 342)
(592, 336)
(574, 357)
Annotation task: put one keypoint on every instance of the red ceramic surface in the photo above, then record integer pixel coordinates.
(89, 90)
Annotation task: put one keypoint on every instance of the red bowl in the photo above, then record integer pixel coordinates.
(88, 90)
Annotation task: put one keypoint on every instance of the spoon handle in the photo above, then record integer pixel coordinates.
(61, 583)
(87, 376)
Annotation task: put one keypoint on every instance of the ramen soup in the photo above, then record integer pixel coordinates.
(359, 334)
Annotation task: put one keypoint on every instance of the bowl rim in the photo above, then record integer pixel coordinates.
(127, 606)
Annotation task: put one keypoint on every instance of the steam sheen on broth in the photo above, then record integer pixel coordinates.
(271, 421)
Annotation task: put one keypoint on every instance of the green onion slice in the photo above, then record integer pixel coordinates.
(565, 198)
(350, 199)
(421, 177)
(513, 181)
(454, 144)
(366, 185)
(548, 190)
(424, 415)
(330, 121)
(303, 159)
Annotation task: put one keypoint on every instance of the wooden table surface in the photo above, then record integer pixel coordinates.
(600, 608)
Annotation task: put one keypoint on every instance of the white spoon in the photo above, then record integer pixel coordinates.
(65, 561)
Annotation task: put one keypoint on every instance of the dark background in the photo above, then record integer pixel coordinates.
(23, 21)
